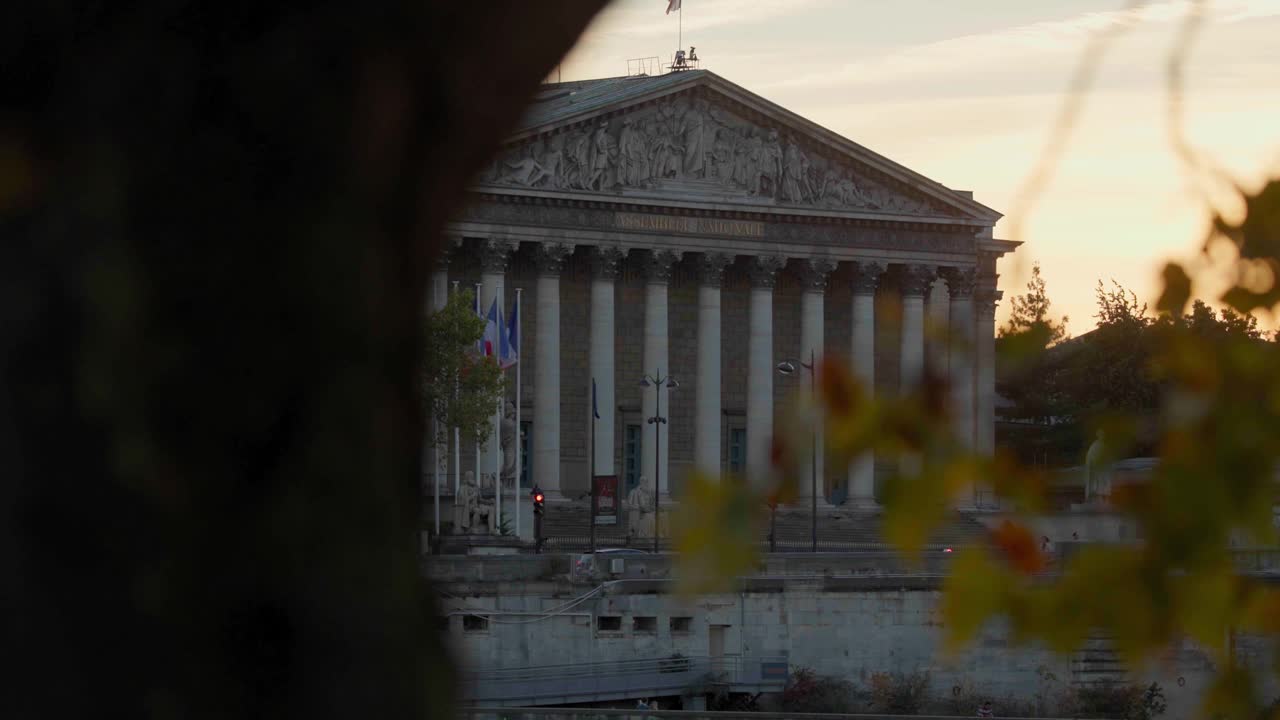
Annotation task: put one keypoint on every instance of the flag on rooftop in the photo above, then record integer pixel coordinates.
(672, 5)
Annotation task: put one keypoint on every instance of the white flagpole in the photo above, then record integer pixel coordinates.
(478, 478)
(457, 435)
(497, 429)
(519, 436)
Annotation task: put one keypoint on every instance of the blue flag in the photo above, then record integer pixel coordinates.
(510, 354)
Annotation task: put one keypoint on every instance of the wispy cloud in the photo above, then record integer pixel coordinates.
(636, 20)
(1021, 48)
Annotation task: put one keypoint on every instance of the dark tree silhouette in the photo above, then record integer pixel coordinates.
(216, 222)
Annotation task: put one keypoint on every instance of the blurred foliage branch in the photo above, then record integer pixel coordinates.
(1209, 387)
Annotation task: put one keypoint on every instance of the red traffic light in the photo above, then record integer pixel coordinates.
(537, 498)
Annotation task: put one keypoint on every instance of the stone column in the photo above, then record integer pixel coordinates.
(494, 256)
(916, 280)
(657, 268)
(605, 262)
(813, 277)
(984, 305)
(866, 276)
(960, 282)
(937, 308)
(706, 455)
(549, 259)
(760, 364)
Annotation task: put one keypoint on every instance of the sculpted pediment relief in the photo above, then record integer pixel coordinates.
(692, 148)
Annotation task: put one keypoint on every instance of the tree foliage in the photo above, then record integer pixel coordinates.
(1030, 314)
(1208, 388)
(460, 387)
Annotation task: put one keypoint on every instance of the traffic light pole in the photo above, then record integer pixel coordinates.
(538, 500)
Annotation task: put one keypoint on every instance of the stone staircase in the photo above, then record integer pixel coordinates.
(568, 524)
(1096, 663)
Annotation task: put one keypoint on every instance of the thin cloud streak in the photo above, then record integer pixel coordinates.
(634, 21)
(1013, 48)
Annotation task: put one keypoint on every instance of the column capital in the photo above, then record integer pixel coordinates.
(960, 281)
(814, 273)
(985, 300)
(550, 257)
(606, 261)
(866, 276)
(450, 247)
(658, 265)
(916, 280)
(711, 268)
(494, 254)
(763, 270)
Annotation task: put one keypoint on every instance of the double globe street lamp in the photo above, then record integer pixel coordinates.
(790, 367)
(657, 381)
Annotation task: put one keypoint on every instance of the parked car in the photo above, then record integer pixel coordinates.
(585, 565)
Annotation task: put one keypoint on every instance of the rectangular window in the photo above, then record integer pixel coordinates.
(526, 454)
(631, 455)
(737, 450)
(644, 625)
(609, 623)
(475, 623)
(681, 624)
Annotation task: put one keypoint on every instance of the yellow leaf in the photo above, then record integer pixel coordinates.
(716, 534)
(971, 595)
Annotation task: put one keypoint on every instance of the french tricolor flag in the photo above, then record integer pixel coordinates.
(491, 341)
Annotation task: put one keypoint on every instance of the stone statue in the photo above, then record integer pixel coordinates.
(722, 155)
(527, 170)
(509, 444)
(604, 157)
(770, 165)
(793, 174)
(633, 161)
(640, 506)
(472, 514)
(552, 161)
(1097, 471)
(578, 171)
(693, 134)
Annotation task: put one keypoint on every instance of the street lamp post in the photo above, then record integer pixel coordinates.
(787, 367)
(657, 421)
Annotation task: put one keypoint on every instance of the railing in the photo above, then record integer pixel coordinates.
(593, 682)
(527, 713)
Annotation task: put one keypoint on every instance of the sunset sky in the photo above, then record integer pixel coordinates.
(965, 92)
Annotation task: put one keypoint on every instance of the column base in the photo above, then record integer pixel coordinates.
(862, 504)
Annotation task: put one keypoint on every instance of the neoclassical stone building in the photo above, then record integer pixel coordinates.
(681, 224)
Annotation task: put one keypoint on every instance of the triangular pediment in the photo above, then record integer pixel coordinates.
(695, 137)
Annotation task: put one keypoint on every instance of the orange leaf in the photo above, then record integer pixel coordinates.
(1019, 548)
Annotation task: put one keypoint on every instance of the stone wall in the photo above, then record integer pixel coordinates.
(866, 626)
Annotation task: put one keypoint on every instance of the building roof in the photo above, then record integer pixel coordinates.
(557, 102)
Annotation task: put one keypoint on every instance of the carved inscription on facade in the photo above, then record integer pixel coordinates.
(689, 225)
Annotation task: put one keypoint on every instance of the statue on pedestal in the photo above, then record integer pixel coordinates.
(472, 515)
(1097, 472)
(640, 504)
(510, 446)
